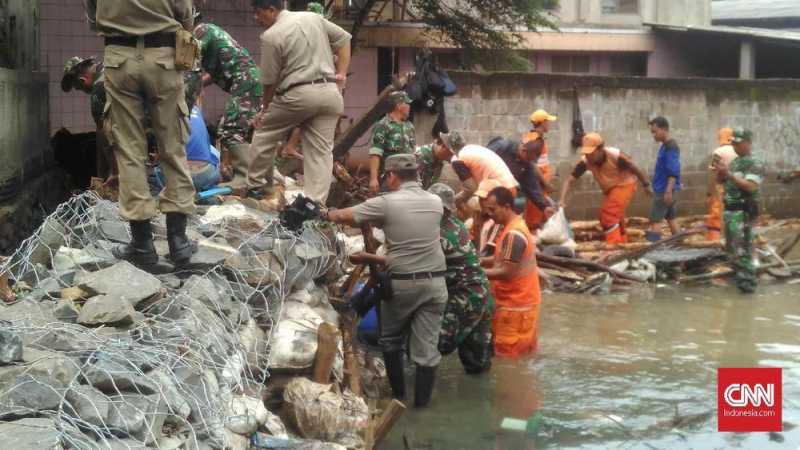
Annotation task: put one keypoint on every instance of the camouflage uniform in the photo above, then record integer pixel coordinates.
(232, 69)
(467, 323)
(739, 222)
(390, 137)
(430, 168)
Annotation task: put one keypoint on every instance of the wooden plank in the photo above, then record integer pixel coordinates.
(327, 345)
(390, 416)
(379, 108)
(573, 262)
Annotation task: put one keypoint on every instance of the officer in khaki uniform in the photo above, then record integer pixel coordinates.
(410, 218)
(140, 39)
(300, 90)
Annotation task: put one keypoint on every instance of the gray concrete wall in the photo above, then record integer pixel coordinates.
(20, 24)
(24, 138)
(619, 108)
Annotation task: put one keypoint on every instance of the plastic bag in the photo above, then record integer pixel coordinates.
(556, 231)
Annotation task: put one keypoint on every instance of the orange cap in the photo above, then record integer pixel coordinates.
(590, 143)
(486, 187)
(725, 136)
(541, 115)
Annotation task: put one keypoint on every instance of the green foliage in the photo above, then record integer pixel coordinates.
(485, 24)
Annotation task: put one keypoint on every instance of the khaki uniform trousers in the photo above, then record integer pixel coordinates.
(415, 311)
(138, 79)
(316, 109)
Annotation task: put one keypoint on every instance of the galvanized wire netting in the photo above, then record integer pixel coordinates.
(176, 370)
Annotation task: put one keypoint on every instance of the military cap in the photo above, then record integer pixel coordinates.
(445, 193)
(398, 97)
(400, 162)
(71, 68)
(740, 135)
(452, 141)
(316, 8)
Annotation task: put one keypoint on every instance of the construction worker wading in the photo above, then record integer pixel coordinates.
(413, 308)
(140, 74)
(616, 174)
(302, 88)
(742, 178)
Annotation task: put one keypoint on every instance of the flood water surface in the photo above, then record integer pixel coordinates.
(622, 371)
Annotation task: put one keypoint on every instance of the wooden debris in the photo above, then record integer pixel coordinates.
(794, 265)
(636, 254)
(6, 293)
(327, 345)
(390, 416)
(575, 262)
(73, 293)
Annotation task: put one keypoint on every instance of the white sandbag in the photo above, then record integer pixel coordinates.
(294, 344)
(556, 230)
(320, 413)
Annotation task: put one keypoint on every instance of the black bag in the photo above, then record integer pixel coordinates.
(301, 210)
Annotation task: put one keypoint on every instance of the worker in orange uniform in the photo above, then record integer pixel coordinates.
(474, 164)
(514, 279)
(540, 120)
(723, 154)
(616, 174)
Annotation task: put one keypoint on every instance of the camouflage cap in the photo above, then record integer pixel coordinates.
(316, 8)
(403, 161)
(452, 140)
(71, 68)
(740, 135)
(445, 193)
(398, 97)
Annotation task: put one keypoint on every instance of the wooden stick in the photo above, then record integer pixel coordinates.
(364, 123)
(794, 265)
(788, 245)
(635, 254)
(327, 344)
(390, 416)
(570, 262)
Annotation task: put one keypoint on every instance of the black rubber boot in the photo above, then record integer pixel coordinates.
(180, 247)
(394, 370)
(140, 251)
(423, 388)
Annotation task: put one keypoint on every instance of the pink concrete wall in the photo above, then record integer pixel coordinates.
(65, 33)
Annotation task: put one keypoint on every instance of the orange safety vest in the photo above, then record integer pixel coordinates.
(517, 300)
(609, 175)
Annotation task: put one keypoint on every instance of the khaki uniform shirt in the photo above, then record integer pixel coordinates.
(139, 17)
(297, 49)
(410, 218)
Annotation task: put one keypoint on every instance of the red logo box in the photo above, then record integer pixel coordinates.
(749, 399)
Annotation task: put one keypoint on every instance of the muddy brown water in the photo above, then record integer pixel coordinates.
(610, 372)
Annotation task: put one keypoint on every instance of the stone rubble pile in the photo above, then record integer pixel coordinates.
(96, 353)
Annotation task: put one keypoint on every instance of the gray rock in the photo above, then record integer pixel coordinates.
(10, 347)
(50, 238)
(28, 395)
(106, 310)
(208, 292)
(90, 257)
(122, 280)
(31, 434)
(209, 255)
(170, 281)
(137, 416)
(67, 338)
(175, 403)
(115, 374)
(66, 311)
(114, 231)
(57, 368)
(123, 444)
(88, 404)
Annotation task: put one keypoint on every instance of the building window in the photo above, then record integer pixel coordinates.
(571, 64)
(620, 6)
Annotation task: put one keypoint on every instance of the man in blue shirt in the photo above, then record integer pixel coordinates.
(666, 180)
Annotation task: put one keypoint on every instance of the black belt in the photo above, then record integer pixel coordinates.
(417, 275)
(150, 40)
(304, 83)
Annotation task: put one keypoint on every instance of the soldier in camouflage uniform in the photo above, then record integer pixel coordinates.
(230, 66)
(87, 75)
(467, 322)
(431, 159)
(392, 135)
(742, 181)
